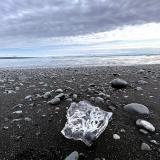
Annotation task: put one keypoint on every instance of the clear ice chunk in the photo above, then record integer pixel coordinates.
(85, 122)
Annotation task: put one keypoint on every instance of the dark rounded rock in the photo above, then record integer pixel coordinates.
(136, 108)
(118, 83)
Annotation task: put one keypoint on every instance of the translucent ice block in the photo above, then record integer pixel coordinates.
(85, 122)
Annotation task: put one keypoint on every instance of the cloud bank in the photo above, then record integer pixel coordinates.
(49, 18)
(46, 26)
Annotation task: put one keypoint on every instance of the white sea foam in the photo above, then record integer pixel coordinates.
(79, 61)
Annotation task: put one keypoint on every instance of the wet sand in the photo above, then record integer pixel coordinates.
(37, 133)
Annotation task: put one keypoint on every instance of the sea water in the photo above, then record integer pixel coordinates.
(77, 61)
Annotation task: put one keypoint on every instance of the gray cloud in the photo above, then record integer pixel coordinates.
(50, 18)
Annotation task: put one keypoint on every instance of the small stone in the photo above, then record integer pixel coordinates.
(102, 94)
(75, 96)
(136, 108)
(16, 120)
(38, 133)
(45, 85)
(108, 96)
(73, 156)
(27, 119)
(41, 83)
(17, 88)
(47, 95)
(112, 108)
(116, 136)
(57, 108)
(118, 83)
(123, 131)
(32, 104)
(5, 128)
(143, 131)
(145, 124)
(43, 116)
(142, 82)
(17, 138)
(145, 147)
(54, 101)
(141, 71)
(92, 99)
(59, 91)
(17, 112)
(139, 89)
(61, 96)
(92, 85)
(116, 74)
(29, 98)
(38, 96)
(69, 99)
(154, 142)
(99, 100)
(10, 91)
(82, 156)
(18, 106)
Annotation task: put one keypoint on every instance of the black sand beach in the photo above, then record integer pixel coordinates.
(36, 132)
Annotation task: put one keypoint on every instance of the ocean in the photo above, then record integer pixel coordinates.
(77, 61)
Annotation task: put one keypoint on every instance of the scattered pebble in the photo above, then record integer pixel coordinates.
(143, 131)
(16, 120)
(145, 147)
(5, 127)
(75, 96)
(145, 124)
(47, 95)
(141, 71)
(17, 138)
(99, 100)
(136, 108)
(118, 83)
(112, 108)
(116, 136)
(18, 112)
(61, 96)
(69, 99)
(59, 91)
(154, 142)
(54, 101)
(123, 131)
(139, 89)
(29, 98)
(73, 156)
(142, 82)
(27, 119)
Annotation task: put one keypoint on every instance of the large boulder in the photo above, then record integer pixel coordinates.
(136, 108)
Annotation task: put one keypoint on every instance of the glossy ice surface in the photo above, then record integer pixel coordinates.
(85, 122)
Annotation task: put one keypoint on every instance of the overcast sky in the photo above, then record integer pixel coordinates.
(50, 27)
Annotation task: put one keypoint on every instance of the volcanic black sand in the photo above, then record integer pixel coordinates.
(36, 132)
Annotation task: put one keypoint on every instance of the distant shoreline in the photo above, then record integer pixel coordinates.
(85, 56)
(76, 61)
(17, 57)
